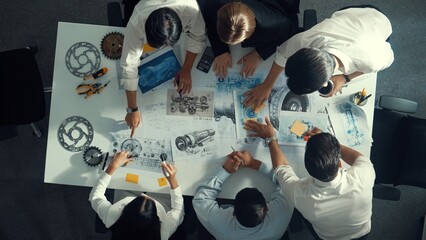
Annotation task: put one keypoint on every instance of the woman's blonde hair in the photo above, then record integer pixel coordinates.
(235, 23)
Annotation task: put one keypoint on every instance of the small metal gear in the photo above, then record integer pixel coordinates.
(112, 45)
(92, 156)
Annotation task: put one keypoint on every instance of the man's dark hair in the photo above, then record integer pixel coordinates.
(322, 156)
(250, 207)
(163, 28)
(138, 220)
(308, 69)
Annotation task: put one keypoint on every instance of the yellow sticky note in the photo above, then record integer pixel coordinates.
(298, 128)
(133, 178)
(162, 182)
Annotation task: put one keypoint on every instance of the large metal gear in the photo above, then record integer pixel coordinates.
(75, 133)
(112, 45)
(92, 156)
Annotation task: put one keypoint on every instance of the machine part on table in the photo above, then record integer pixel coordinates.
(90, 88)
(75, 133)
(112, 45)
(192, 104)
(133, 146)
(82, 59)
(194, 139)
(92, 156)
(282, 99)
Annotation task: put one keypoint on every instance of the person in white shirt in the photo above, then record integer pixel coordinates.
(338, 203)
(350, 43)
(137, 217)
(251, 217)
(159, 23)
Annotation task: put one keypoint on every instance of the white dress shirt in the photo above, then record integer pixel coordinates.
(357, 36)
(135, 37)
(222, 224)
(110, 213)
(340, 209)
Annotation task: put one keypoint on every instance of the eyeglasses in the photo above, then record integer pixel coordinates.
(325, 91)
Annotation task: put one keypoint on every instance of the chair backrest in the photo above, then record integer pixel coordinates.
(22, 99)
(399, 148)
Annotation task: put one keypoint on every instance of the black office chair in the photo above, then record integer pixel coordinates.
(22, 99)
(398, 151)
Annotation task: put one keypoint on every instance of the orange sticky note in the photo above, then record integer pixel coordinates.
(298, 128)
(162, 182)
(133, 178)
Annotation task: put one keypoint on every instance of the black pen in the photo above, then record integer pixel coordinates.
(105, 161)
(233, 149)
(163, 157)
(364, 99)
(177, 79)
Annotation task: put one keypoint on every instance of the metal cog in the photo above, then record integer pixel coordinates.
(92, 156)
(112, 45)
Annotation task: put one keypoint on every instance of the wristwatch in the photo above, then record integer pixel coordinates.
(268, 140)
(131, 110)
(347, 79)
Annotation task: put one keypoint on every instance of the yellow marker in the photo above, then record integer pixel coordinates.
(298, 128)
(162, 182)
(363, 92)
(133, 178)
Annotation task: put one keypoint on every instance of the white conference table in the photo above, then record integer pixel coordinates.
(106, 113)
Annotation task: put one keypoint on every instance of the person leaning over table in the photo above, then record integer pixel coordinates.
(350, 43)
(137, 217)
(262, 24)
(338, 203)
(159, 23)
(251, 217)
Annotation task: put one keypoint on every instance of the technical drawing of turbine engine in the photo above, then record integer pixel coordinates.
(223, 108)
(190, 141)
(282, 99)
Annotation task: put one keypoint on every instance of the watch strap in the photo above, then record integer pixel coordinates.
(347, 78)
(269, 140)
(131, 110)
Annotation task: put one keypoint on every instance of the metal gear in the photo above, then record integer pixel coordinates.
(92, 156)
(112, 45)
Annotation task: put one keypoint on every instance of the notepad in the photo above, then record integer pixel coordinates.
(298, 128)
(133, 178)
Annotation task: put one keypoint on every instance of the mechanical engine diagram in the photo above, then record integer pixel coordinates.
(146, 152)
(195, 141)
(197, 103)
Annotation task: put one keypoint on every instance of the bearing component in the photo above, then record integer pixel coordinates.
(75, 133)
(133, 146)
(194, 139)
(112, 45)
(92, 156)
(82, 59)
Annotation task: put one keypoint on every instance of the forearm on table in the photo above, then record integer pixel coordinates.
(273, 74)
(277, 156)
(189, 61)
(349, 155)
(131, 99)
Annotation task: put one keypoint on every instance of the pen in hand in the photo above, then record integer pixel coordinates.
(163, 157)
(177, 79)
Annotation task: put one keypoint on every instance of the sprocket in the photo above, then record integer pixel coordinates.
(92, 156)
(112, 45)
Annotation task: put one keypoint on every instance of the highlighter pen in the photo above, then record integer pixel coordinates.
(163, 158)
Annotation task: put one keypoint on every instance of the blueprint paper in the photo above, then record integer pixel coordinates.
(224, 109)
(243, 114)
(287, 119)
(144, 151)
(350, 124)
(199, 102)
(195, 139)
